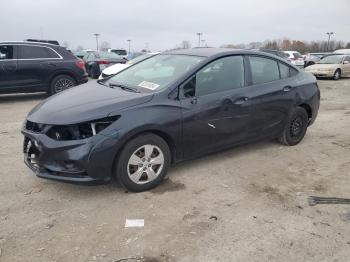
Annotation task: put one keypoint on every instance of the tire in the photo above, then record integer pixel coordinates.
(295, 128)
(61, 83)
(134, 169)
(92, 75)
(337, 74)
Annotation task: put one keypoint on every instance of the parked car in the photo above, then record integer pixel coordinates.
(342, 51)
(295, 58)
(114, 69)
(313, 58)
(96, 62)
(277, 53)
(81, 53)
(334, 66)
(120, 51)
(171, 107)
(38, 67)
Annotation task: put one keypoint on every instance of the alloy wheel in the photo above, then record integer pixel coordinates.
(63, 84)
(145, 164)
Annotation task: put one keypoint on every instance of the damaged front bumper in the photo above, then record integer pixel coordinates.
(86, 161)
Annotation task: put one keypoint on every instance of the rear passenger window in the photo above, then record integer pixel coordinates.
(284, 70)
(263, 70)
(6, 52)
(36, 52)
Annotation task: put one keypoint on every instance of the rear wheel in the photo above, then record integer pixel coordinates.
(295, 129)
(143, 163)
(337, 74)
(61, 83)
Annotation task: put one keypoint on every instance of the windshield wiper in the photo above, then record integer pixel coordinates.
(124, 87)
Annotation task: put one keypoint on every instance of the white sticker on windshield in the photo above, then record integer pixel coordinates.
(148, 85)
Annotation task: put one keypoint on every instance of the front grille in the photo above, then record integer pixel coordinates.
(35, 127)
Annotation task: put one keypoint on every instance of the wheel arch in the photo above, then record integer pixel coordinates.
(308, 110)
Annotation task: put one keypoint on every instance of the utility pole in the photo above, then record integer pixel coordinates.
(129, 40)
(199, 39)
(96, 35)
(329, 38)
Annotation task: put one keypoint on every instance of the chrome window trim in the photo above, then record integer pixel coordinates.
(30, 59)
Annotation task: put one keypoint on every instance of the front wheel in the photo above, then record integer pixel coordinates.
(295, 128)
(61, 83)
(143, 163)
(337, 74)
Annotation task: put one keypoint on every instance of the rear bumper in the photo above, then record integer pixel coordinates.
(83, 79)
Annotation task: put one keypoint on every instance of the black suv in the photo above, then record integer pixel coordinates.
(38, 67)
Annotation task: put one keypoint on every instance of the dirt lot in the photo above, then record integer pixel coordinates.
(245, 204)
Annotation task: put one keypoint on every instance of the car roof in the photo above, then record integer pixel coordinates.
(27, 43)
(213, 52)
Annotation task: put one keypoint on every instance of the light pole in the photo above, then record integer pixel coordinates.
(203, 42)
(129, 40)
(329, 38)
(199, 39)
(96, 35)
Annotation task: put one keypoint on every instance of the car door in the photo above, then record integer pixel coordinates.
(273, 90)
(8, 67)
(346, 65)
(215, 107)
(34, 65)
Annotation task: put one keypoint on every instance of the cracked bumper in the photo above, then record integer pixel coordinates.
(88, 161)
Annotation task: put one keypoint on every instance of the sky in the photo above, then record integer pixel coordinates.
(164, 24)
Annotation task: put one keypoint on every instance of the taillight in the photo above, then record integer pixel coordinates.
(80, 64)
(293, 58)
(102, 62)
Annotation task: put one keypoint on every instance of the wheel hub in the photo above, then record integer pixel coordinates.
(145, 164)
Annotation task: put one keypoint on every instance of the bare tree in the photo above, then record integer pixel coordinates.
(105, 46)
(185, 44)
(79, 47)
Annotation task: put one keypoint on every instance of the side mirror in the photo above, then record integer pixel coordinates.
(346, 62)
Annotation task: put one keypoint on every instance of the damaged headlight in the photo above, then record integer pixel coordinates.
(81, 130)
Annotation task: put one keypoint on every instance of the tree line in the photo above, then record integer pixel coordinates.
(295, 45)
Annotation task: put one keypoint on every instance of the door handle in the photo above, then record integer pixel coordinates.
(287, 88)
(194, 101)
(241, 100)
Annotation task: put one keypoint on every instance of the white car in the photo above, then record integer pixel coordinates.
(114, 69)
(295, 58)
(342, 51)
(119, 51)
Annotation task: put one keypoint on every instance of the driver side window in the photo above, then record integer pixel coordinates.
(220, 75)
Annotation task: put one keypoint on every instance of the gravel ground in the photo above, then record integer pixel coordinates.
(244, 204)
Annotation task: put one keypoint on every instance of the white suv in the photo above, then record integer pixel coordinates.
(295, 58)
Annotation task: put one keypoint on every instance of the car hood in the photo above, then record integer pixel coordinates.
(115, 69)
(321, 66)
(84, 103)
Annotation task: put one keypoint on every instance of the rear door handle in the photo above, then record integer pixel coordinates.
(241, 100)
(287, 88)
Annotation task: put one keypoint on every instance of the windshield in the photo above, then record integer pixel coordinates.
(139, 59)
(107, 55)
(119, 51)
(332, 59)
(297, 55)
(156, 72)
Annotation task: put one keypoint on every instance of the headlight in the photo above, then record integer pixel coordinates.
(81, 130)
